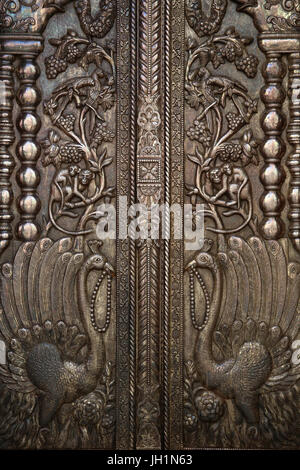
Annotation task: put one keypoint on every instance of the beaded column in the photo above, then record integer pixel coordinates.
(273, 147)
(28, 150)
(7, 137)
(293, 135)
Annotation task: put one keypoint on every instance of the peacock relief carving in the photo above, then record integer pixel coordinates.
(243, 382)
(55, 346)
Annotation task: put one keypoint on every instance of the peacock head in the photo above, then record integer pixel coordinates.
(202, 260)
(99, 262)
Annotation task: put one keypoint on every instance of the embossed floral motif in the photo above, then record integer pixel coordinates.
(210, 407)
(190, 420)
(88, 410)
(149, 118)
(149, 171)
(8, 10)
(200, 133)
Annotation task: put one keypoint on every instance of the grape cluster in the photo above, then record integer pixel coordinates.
(230, 152)
(247, 64)
(200, 133)
(205, 27)
(102, 133)
(229, 52)
(72, 53)
(67, 122)
(54, 66)
(234, 121)
(71, 154)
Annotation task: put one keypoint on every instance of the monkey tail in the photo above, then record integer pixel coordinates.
(237, 229)
(58, 227)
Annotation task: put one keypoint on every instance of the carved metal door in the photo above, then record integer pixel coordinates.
(116, 330)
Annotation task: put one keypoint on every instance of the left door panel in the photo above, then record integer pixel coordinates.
(58, 165)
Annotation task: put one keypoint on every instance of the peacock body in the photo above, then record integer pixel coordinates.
(244, 348)
(54, 353)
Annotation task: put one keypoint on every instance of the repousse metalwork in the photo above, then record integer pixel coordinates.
(144, 344)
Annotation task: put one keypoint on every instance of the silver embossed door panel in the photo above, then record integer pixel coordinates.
(140, 327)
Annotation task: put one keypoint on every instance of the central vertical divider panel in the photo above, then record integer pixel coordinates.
(149, 181)
(150, 264)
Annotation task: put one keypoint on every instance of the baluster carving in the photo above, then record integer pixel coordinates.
(7, 137)
(28, 150)
(273, 148)
(293, 135)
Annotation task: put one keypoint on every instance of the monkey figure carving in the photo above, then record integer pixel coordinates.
(69, 183)
(231, 181)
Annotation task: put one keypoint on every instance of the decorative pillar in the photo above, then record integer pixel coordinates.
(275, 46)
(273, 147)
(28, 150)
(7, 138)
(293, 135)
(279, 36)
(24, 49)
(21, 26)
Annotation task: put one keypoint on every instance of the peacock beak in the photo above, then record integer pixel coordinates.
(109, 269)
(190, 265)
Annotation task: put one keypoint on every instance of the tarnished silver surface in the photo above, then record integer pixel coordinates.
(146, 344)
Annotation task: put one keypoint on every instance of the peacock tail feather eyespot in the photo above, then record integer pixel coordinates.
(7, 270)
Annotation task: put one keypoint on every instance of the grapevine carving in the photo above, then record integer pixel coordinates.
(224, 108)
(76, 149)
(201, 23)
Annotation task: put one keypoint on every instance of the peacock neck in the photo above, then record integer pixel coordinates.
(205, 361)
(96, 344)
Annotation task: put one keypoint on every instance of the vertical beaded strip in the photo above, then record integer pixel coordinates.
(293, 135)
(7, 137)
(193, 272)
(28, 150)
(108, 304)
(273, 148)
(167, 140)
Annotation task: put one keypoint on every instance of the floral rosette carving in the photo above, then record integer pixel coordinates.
(89, 422)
